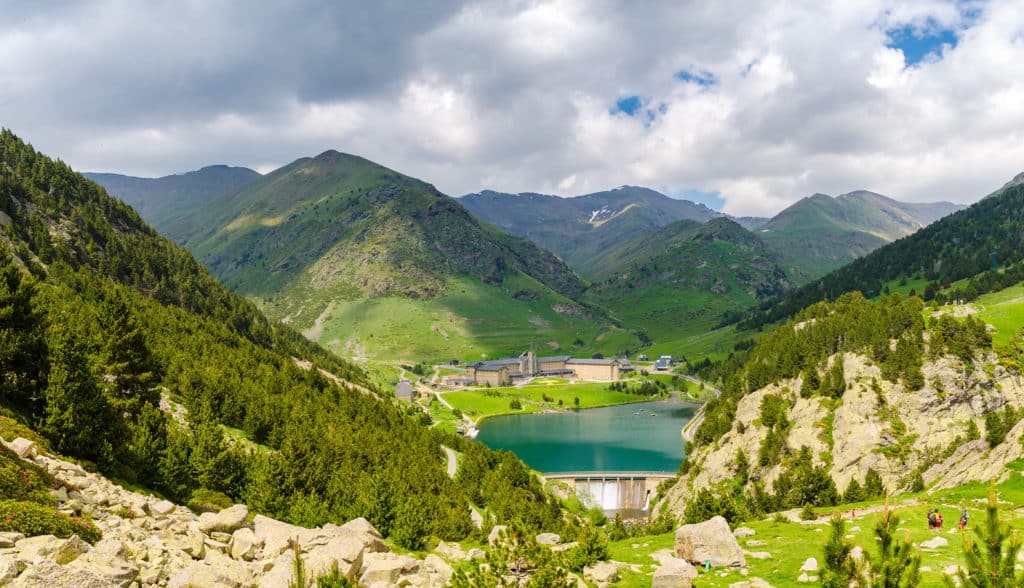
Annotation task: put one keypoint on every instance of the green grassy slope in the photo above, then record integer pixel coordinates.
(374, 263)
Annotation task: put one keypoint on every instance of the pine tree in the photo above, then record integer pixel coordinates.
(127, 358)
(873, 486)
(991, 559)
(617, 529)
(23, 353)
(839, 568)
(854, 492)
(896, 565)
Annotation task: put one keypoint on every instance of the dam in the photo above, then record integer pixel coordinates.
(628, 493)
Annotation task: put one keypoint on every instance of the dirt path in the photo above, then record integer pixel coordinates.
(453, 460)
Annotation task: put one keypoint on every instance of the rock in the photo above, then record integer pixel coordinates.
(49, 574)
(387, 568)
(367, 533)
(743, 584)
(711, 540)
(436, 570)
(806, 579)
(743, 532)
(226, 521)
(108, 566)
(759, 555)
(935, 543)
(857, 552)
(24, 448)
(274, 535)
(578, 581)
(61, 551)
(345, 551)
(496, 532)
(810, 565)
(8, 539)
(219, 573)
(193, 544)
(219, 537)
(9, 569)
(602, 573)
(281, 574)
(243, 544)
(674, 573)
(549, 539)
(451, 551)
(61, 494)
(756, 543)
(564, 546)
(163, 508)
(951, 570)
(476, 554)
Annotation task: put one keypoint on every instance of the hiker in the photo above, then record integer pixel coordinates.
(963, 519)
(938, 521)
(932, 520)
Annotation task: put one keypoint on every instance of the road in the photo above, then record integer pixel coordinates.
(691, 427)
(453, 460)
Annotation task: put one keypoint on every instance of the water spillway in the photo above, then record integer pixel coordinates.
(613, 493)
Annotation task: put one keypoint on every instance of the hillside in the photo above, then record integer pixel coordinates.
(374, 263)
(820, 233)
(578, 229)
(961, 245)
(686, 276)
(162, 202)
(105, 326)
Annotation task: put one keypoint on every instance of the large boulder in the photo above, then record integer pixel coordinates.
(226, 521)
(711, 540)
(674, 573)
(602, 573)
(9, 569)
(275, 536)
(365, 532)
(52, 548)
(216, 573)
(345, 551)
(243, 544)
(24, 448)
(387, 568)
(163, 507)
(105, 565)
(548, 539)
(45, 573)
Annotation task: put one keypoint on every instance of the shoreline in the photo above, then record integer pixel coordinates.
(480, 420)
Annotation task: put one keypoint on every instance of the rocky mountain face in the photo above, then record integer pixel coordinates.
(876, 425)
(579, 228)
(164, 201)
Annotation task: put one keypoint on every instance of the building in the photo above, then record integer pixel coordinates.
(663, 363)
(503, 372)
(403, 391)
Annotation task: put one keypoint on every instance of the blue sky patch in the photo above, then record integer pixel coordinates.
(630, 105)
(701, 78)
(712, 200)
(917, 43)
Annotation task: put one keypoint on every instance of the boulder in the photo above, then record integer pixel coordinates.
(216, 574)
(113, 568)
(810, 565)
(806, 578)
(602, 573)
(44, 573)
(163, 508)
(225, 521)
(564, 546)
(496, 532)
(711, 540)
(9, 538)
(274, 535)
(53, 548)
(24, 448)
(345, 551)
(243, 544)
(281, 573)
(743, 532)
(935, 543)
(476, 554)
(436, 570)
(9, 569)
(758, 555)
(548, 539)
(674, 573)
(366, 533)
(451, 551)
(387, 568)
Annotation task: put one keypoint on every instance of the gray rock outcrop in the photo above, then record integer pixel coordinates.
(709, 541)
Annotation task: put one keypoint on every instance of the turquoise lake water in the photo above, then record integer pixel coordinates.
(611, 439)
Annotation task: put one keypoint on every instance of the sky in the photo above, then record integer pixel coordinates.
(747, 106)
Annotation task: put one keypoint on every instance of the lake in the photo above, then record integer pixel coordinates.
(610, 439)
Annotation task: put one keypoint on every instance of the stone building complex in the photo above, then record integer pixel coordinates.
(503, 372)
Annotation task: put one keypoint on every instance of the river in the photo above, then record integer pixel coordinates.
(643, 437)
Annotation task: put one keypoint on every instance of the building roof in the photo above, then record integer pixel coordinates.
(592, 361)
(558, 358)
(404, 388)
(494, 366)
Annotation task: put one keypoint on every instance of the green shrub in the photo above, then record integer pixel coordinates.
(204, 500)
(31, 519)
(20, 480)
(808, 514)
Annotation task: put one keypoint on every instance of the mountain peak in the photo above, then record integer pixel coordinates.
(1016, 181)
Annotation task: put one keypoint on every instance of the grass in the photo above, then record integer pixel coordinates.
(487, 402)
(1004, 310)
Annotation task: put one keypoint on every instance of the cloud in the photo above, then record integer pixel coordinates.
(759, 103)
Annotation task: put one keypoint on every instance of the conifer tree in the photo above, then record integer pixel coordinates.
(839, 568)
(896, 565)
(127, 358)
(23, 352)
(873, 486)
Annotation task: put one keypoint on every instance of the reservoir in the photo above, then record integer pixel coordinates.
(641, 437)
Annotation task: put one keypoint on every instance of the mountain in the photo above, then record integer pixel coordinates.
(579, 228)
(375, 263)
(820, 233)
(958, 246)
(104, 324)
(687, 277)
(163, 201)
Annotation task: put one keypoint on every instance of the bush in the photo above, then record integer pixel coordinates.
(808, 514)
(31, 519)
(204, 500)
(20, 480)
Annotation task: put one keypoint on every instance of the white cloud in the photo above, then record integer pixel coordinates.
(519, 96)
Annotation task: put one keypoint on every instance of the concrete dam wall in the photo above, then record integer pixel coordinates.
(613, 493)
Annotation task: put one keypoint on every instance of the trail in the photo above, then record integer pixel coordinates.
(691, 427)
(453, 460)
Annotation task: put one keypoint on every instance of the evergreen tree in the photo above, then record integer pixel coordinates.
(873, 487)
(839, 569)
(77, 418)
(23, 353)
(896, 565)
(742, 468)
(990, 560)
(131, 367)
(854, 492)
(617, 529)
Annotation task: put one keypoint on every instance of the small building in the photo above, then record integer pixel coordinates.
(497, 372)
(626, 366)
(403, 391)
(663, 363)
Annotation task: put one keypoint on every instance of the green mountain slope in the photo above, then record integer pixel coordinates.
(100, 317)
(821, 233)
(325, 241)
(956, 247)
(164, 201)
(579, 228)
(687, 277)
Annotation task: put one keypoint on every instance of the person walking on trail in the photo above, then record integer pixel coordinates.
(932, 519)
(963, 518)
